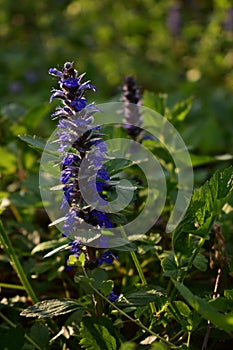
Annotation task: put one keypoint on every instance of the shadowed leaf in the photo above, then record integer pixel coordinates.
(51, 308)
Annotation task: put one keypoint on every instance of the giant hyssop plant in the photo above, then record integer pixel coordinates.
(152, 290)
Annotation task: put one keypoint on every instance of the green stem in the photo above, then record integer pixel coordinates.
(139, 270)
(138, 322)
(99, 309)
(7, 246)
(142, 277)
(178, 335)
(196, 251)
(138, 267)
(97, 300)
(11, 286)
(188, 339)
(181, 277)
(26, 336)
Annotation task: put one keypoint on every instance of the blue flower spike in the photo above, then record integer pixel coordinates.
(79, 139)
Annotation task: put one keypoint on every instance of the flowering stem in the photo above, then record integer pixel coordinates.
(7, 246)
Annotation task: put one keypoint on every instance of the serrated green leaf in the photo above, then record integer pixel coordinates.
(51, 308)
(97, 334)
(39, 144)
(169, 266)
(224, 322)
(205, 206)
(34, 141)
(106, 287)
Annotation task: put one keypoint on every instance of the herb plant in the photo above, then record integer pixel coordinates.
(159, 289)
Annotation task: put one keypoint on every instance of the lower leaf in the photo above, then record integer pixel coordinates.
(224, 322)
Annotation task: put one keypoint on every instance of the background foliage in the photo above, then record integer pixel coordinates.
(179, 48)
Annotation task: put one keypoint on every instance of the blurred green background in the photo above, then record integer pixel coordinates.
(182, 48)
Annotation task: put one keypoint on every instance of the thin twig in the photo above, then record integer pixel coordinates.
(137, 322)
(209, 325)
(14, 260)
